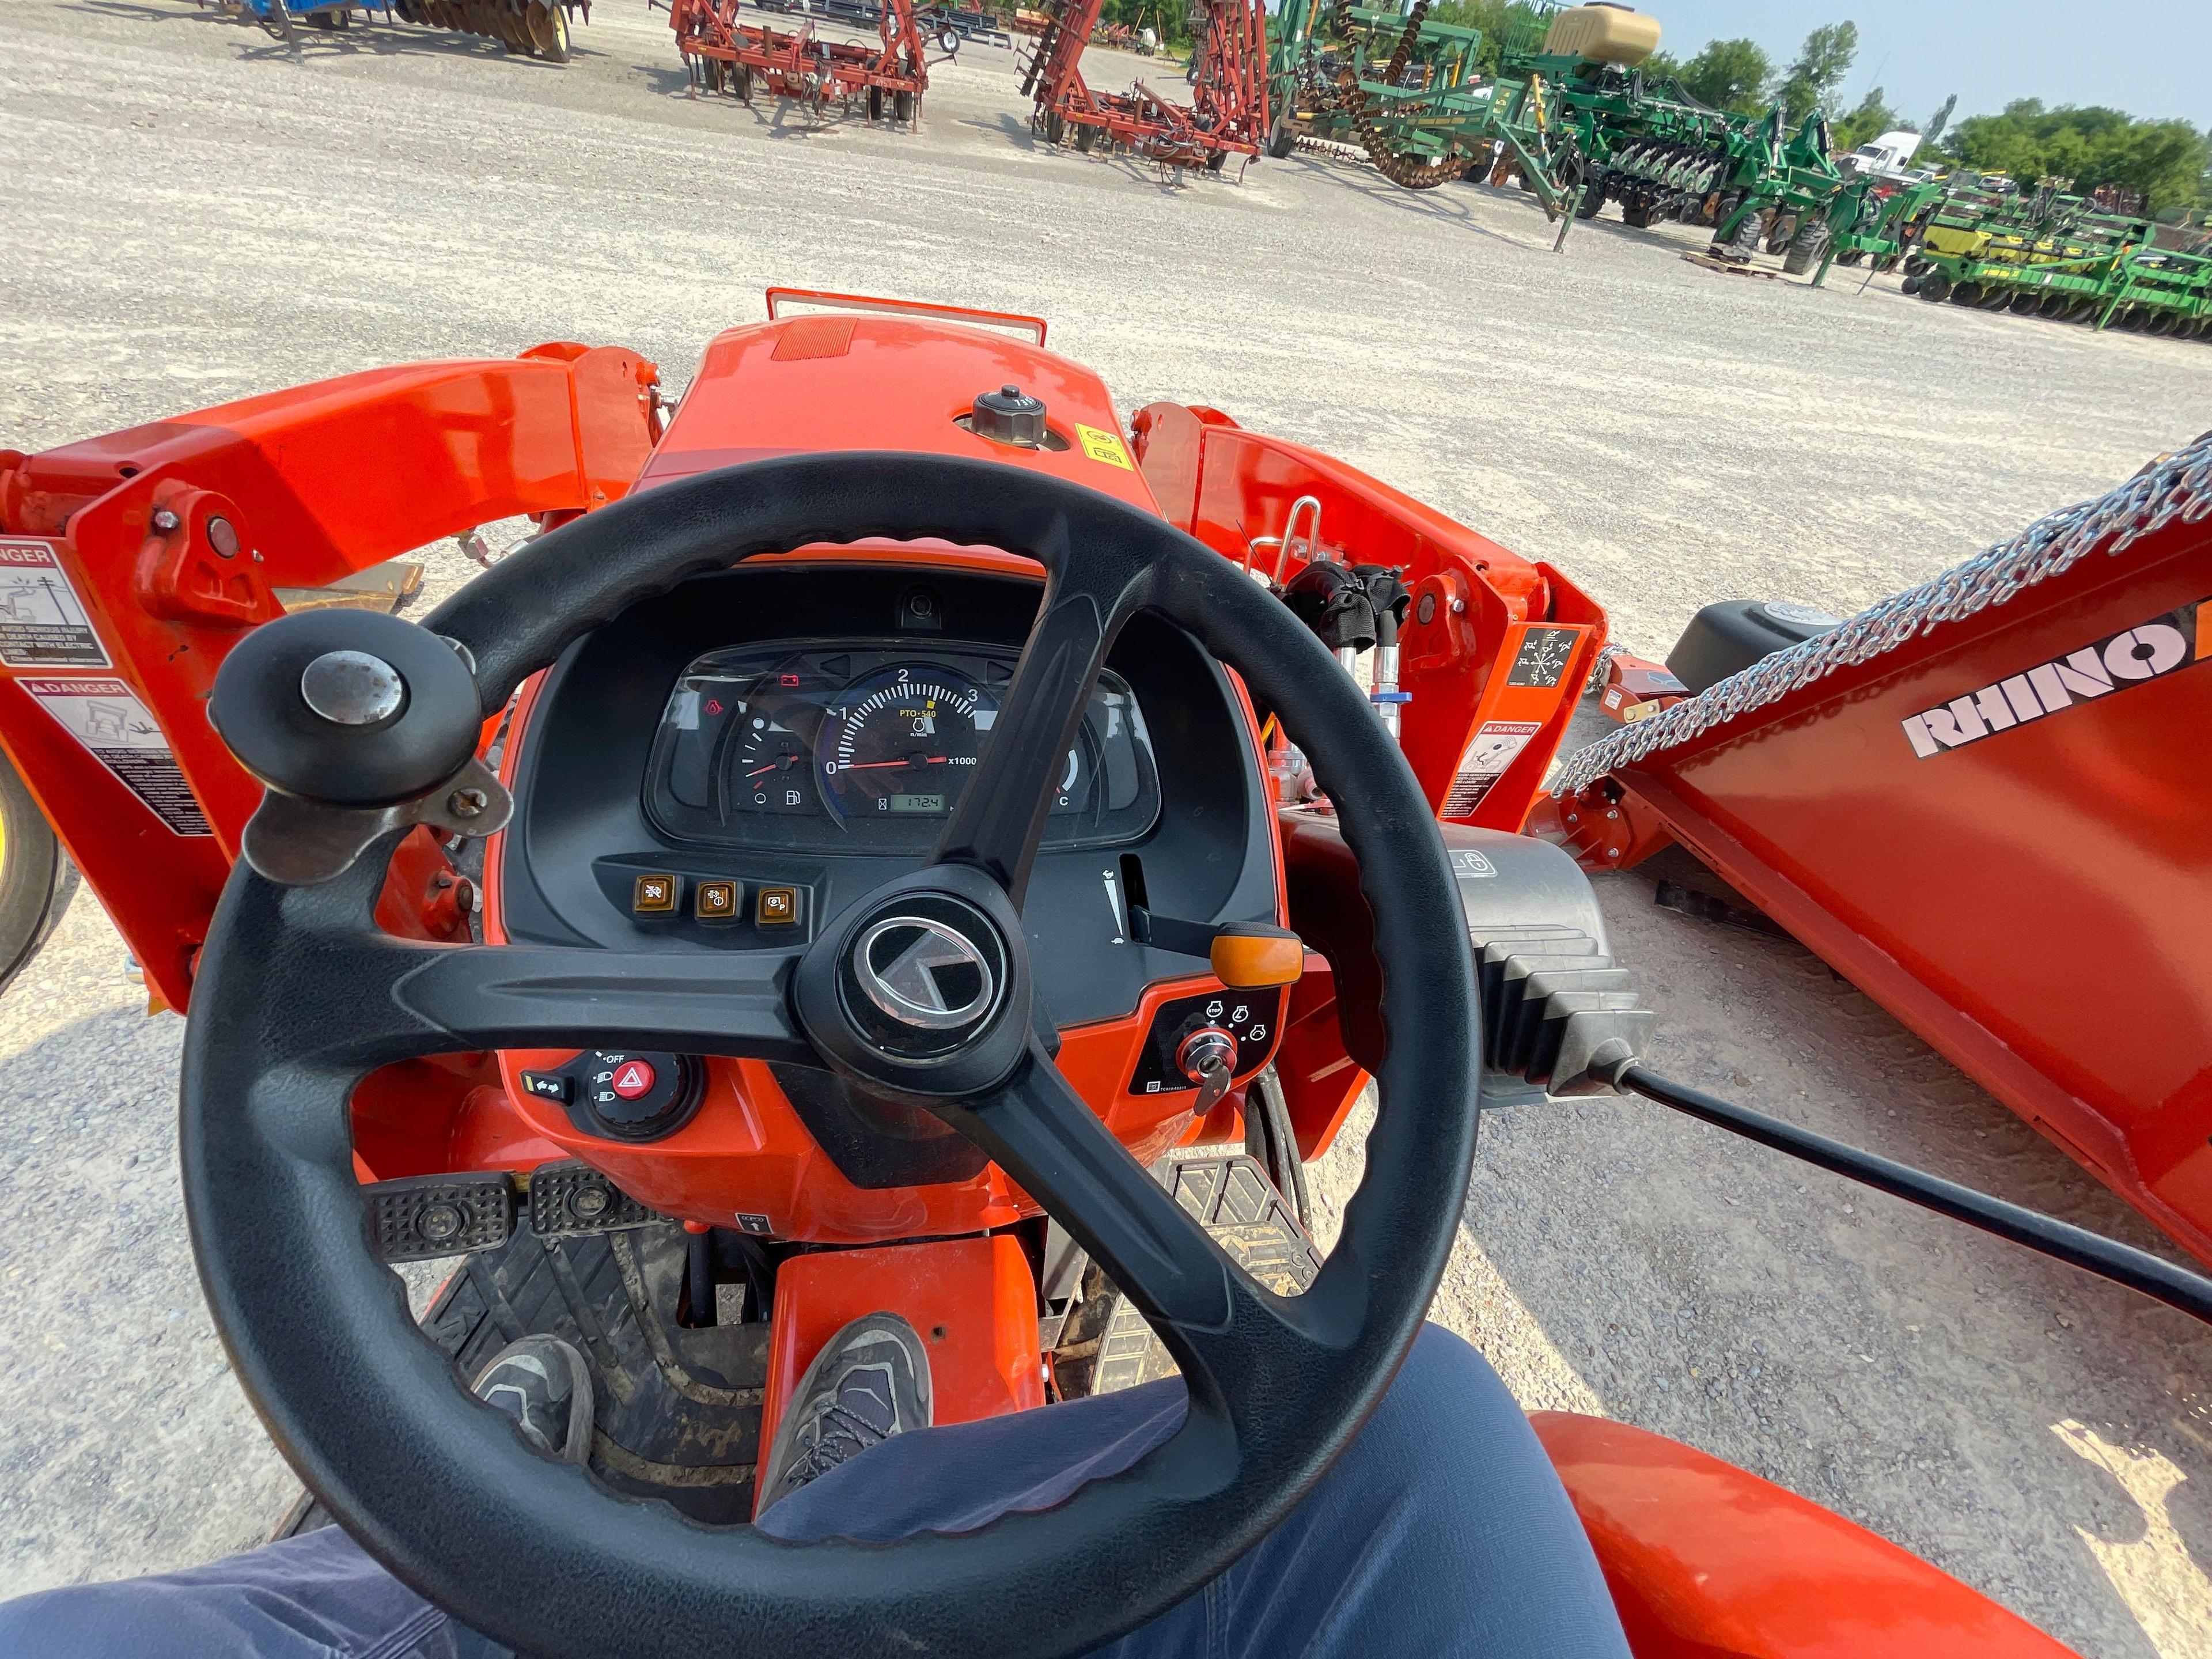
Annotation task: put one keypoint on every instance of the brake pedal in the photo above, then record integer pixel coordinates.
(571, 1198)
(440, 1215)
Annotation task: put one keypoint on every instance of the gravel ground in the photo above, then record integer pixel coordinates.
(192, 217)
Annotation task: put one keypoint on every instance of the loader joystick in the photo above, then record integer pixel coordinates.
(300, 996)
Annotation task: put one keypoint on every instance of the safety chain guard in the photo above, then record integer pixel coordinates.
(2178, 485)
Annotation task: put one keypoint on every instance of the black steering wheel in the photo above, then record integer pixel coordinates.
(300, 995)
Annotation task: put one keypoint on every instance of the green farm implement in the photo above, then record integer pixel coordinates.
(2043, 253)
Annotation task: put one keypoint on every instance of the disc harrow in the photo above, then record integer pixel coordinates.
(532, 28)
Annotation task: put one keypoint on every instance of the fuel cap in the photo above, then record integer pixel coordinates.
(1008, 415)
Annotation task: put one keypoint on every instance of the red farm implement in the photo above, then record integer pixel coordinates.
(723, 55)
(1227, 115)
(1983, 802)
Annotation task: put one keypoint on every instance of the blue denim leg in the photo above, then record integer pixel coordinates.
(316, 1597)
(1441, 1531)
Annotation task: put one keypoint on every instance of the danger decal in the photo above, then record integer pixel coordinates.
(43, 623)
(1495, 748)
(2134, 656)
(107, 720)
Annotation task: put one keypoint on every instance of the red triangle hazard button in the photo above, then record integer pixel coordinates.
(633, 1078)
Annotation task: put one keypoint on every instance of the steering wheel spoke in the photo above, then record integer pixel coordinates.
(999, 819)
(1207, 1309)
(382, 999)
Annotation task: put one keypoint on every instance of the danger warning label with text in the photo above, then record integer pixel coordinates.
(107, 719)
(43, 623)
(1494, 749)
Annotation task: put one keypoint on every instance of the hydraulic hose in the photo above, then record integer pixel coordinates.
(2092, 1252)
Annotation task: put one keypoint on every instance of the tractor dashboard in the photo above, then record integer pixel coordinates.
(729, 767)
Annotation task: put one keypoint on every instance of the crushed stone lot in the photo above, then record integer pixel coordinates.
(194, 215)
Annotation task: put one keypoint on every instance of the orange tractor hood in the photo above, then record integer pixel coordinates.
(848, 381)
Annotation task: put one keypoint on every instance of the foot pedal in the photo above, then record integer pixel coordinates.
(1234, 1201)
(572, 1198)
(440, 1215)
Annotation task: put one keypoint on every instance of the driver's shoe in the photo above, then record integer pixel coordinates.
(544, 1384)
(870, 1382)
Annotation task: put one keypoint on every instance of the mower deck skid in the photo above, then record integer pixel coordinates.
(1996, 827)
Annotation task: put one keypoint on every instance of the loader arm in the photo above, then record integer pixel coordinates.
(173, 539)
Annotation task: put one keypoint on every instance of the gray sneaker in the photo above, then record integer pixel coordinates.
(870, 1382)
(544, 1384)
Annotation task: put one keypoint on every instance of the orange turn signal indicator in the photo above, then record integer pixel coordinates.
(1247, 956)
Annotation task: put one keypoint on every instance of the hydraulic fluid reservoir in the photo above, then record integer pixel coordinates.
(1603, 34)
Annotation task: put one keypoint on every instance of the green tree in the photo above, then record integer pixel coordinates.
(1729, 74)
(1872, 118)
(2166, 160)
(1816, 78)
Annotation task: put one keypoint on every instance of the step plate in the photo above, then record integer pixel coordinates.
(1232, 1198)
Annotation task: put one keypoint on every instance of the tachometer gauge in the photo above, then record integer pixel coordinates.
(768, 769)
(902, 742)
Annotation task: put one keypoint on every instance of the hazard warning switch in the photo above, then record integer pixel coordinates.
(633, 1097)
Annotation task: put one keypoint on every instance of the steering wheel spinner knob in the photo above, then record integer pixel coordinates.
(358, 723)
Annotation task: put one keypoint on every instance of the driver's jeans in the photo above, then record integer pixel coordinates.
(1441, 1530)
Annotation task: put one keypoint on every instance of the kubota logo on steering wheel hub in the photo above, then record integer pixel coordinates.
(924, 972)
(923, 975)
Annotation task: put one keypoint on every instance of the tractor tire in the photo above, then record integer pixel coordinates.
(1591, 203)
(1214, 162)
(1805, 249)
(1637, 216)
(2026, 304)
(875, 103)
(1747, 234)
(1935, 287)
(2056, 304)
(34, 876)
(1085, 137)
(1966, 294)
(1909, 287)
(743, 80)
(1055, 127)
(1996, 299)
(1281, 142)
(902, 107)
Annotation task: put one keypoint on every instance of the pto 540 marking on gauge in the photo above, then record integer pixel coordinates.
(2134, 656)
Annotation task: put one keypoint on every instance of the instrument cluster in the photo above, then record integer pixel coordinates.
(869, 744)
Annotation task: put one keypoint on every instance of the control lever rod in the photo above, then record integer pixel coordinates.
(2061, 1240)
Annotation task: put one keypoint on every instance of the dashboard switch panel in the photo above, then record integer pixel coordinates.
(1252, 1018)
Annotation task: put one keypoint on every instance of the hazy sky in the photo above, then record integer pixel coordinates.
(2147, 57)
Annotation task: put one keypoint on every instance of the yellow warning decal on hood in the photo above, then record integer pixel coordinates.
(1104, 446)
